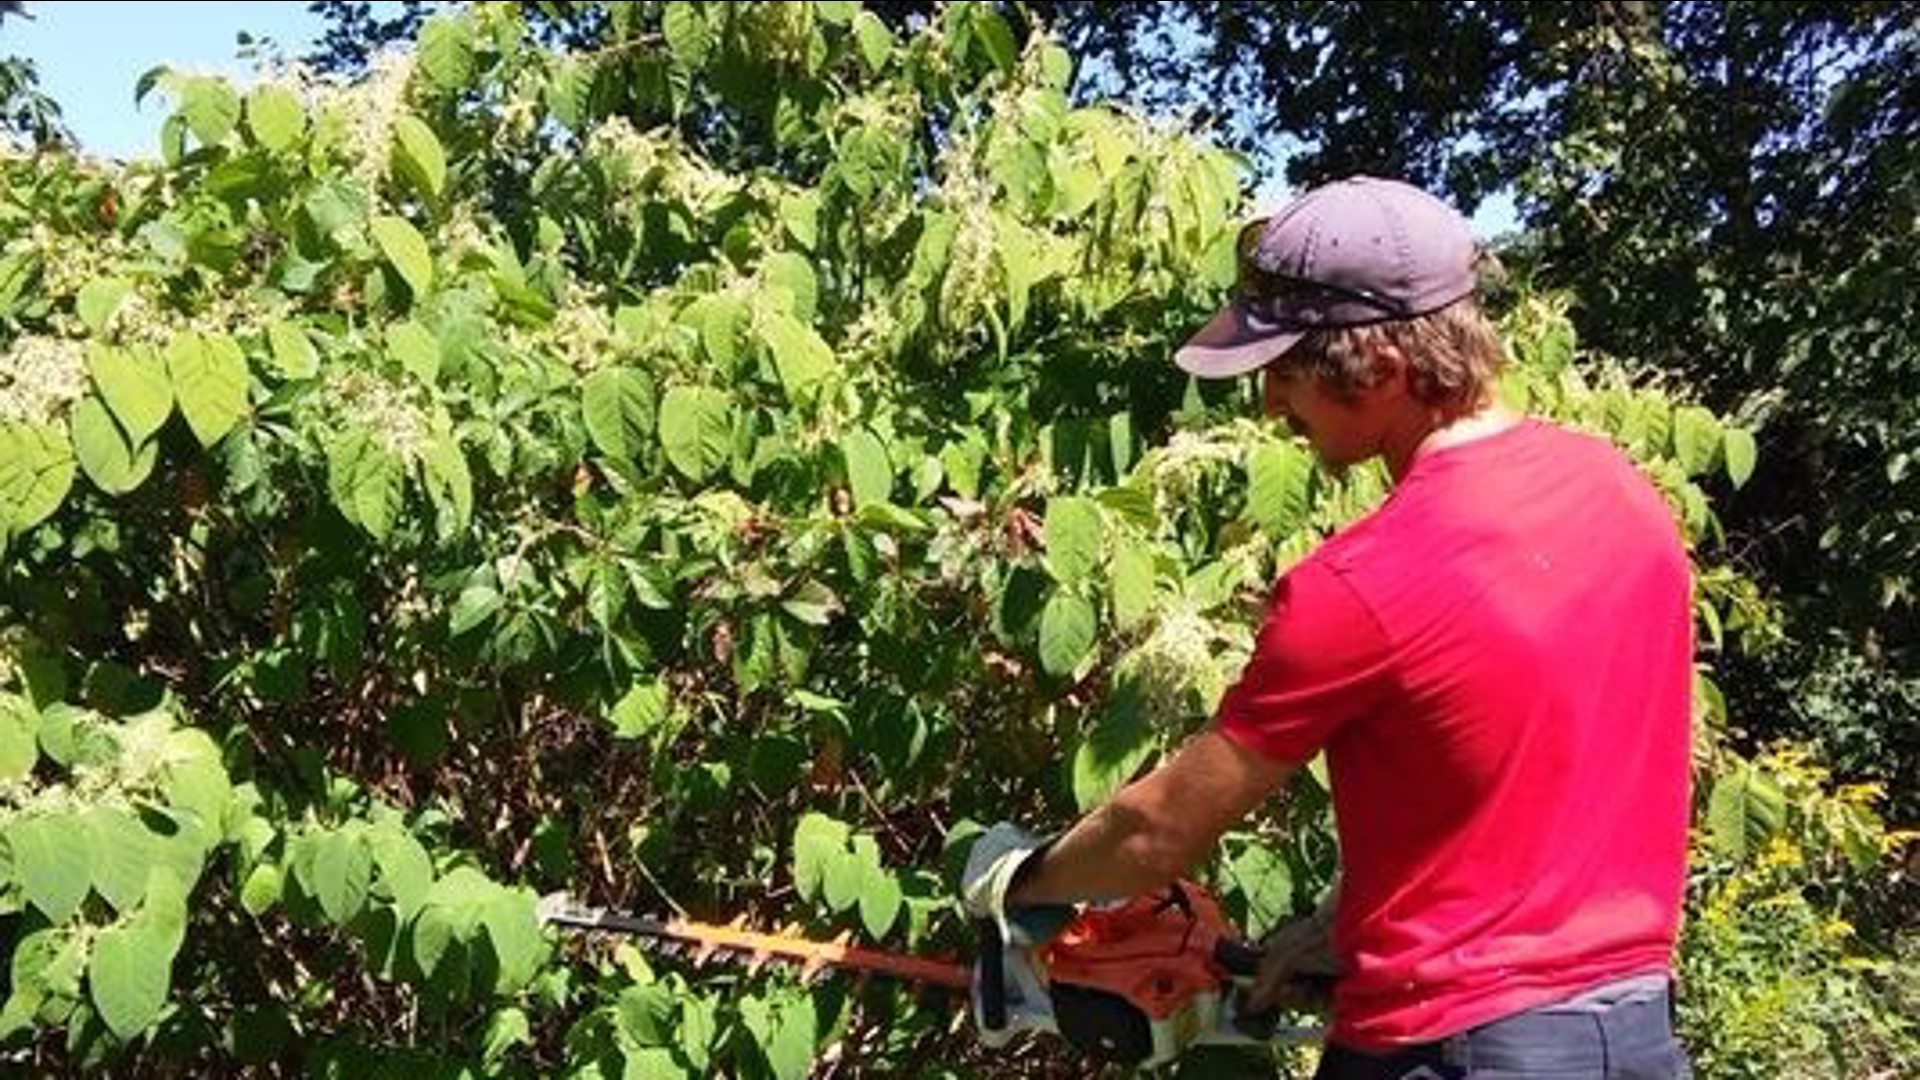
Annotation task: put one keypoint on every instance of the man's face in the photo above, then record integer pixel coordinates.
(1341, 432)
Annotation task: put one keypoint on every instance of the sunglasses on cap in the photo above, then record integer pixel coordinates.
(1286, 297)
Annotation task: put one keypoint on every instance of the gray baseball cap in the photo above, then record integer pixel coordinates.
(1356, 251)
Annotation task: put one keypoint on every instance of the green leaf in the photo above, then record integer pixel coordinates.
(996, 37)
(645, 1014)
(803, 359)
(211, 109)
(209, 375)
(19, 739)
(406, 871)
(699, 1026)
(506, 1029)
(813, 603)
(1066, 633)
(696, 430)
(818, 842)
(689, 37)
(476, 604)
(513, 928)
(1121, 739)
(275, 116)
(880, 895)
(1696, 438)
(1740, 453)
(110, 462)
(869, 472)
(1076, 536)
(123, 851)
(406, 249)
(36, 470)
(293, 351)
(342, 873)
(1133, 583)
(790, 1050)
(54, 872)
(794, 274)
(1746, 808)
(194, 778)
(128, 976)
(963, 461)
(800, 213)
(641, 711)
(262, 889)
(1279, 480)
(449, 484)
(136, 387)
(446, 51)
(418, 157)
(875, 40)
(97, 300)
(417, 350)
(1262, 875)
(367, 482)
(618, 406)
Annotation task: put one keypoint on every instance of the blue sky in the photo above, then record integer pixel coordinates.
(90, 52)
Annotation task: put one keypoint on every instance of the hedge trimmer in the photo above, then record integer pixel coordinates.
(1135, 983)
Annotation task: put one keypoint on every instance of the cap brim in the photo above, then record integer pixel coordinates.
(1232, 344)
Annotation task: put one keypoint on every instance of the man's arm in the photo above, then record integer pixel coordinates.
(1157, 828)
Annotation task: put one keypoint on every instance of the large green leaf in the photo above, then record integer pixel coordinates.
(1740, 453)
(124, 849)
(97, 300)
(1696, 439)
(211, 109)
(209, 375)
(1746, 808)
(818, 842)
(275, 116)
(417, 350)
(53, 869)
(696, 429)
(418, 157)
(1279, 483)
(114, 465)
(293, 351)
(1076, 535)
(1133, 583)
(406, 249)
(19, 736)
(36, 471)
(449, 484)
(1121, 739)
(617, 403)
(446, 51)
(513, 928)
(1067, 627)
(789, 1050)
(689, 36)
(869, 470)
(406, 871)
(136, 387)
(342, 873)
(367, 482)
(802, 358)
(880, 897)
(128, 976)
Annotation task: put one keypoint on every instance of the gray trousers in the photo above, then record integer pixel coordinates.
(1621, 1032)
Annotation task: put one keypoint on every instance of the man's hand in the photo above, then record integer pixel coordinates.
(1298, 966)
(994, 864)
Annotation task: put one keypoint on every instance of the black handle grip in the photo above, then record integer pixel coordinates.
(993, 976)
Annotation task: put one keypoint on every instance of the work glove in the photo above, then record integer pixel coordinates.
(1297, 966)
(993, 866)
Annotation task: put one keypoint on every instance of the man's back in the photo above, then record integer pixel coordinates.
(1506, 722)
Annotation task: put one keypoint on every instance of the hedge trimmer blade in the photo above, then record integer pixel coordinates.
(709, 939)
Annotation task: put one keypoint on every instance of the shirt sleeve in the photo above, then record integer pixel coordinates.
(1320, 661)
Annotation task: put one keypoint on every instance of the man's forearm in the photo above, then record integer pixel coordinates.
(1112, 852)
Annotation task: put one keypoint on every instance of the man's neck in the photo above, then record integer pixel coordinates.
(1436, 433)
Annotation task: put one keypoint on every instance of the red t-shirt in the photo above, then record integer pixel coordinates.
(1498, 663)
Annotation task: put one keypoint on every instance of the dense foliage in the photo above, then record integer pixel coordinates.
(710, 470)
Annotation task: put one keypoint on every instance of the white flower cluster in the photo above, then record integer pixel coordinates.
(654, 164)
(40, 377)
(367, 110)
(392, 414)
(1185, 656)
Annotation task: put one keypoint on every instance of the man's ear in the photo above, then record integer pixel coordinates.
(1389, 367)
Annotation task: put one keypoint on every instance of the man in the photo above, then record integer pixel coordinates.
(1496, 661)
